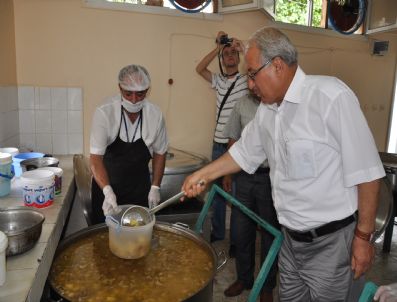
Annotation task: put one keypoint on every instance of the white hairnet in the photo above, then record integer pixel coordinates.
(134, 78)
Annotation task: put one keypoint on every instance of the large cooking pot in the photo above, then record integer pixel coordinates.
(179, 164)
(385, 207)
(204, 293)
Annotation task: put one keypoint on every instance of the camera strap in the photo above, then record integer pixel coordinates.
(225, 98)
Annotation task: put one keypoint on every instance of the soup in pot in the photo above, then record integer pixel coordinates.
(174, 270)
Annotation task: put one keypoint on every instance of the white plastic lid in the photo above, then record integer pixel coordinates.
(3, 241)
(57, 171)
(5, 158)
(33, 176)
(12, 150)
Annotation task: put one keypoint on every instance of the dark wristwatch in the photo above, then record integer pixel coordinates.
(370, 237)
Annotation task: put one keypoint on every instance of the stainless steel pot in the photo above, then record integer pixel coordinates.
(22, 227)
(34, 163)
(179, 164)
(385, 207)
(204, 294)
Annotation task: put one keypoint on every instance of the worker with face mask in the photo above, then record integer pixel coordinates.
(127, 131)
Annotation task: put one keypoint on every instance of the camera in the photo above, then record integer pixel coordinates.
(225, 40)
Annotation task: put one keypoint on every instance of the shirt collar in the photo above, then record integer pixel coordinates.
(293, 94)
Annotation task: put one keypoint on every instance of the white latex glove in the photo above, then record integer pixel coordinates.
(386, 293)
(110, 202)
(154, 196)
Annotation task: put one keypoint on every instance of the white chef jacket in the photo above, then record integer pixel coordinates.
(106, 124)
(319, 148)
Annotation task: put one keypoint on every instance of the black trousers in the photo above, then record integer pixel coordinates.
(254, 191)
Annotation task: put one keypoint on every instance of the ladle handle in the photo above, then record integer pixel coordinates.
(171, 200)
(167, 202)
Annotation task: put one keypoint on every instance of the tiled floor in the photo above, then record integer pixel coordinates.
(383, 271)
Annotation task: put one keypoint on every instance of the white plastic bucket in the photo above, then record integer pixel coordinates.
(5, 173)
(13, 151)
(38, 188)
(3, 247)
(58, 177)
(130, 242)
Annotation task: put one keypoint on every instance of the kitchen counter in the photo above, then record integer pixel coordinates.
(27, 273)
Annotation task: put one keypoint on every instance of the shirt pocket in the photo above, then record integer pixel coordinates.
(301, 159)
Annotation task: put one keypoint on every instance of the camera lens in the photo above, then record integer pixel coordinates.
(224, 40)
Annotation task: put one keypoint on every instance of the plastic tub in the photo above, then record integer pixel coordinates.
(22, 156)
(13, 151)
(3, 247)
(5, 173)
(38, 188)
(58, 177)
(129, 242)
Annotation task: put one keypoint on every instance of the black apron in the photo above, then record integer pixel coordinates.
(127, 167)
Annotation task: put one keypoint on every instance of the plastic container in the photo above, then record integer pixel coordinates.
(130, 242)
(58, 177)
(13, 151)
(3, 247)
(38, 188)
(5, 173)
(22, 156)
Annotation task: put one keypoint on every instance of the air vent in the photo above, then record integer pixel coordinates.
(380, 48)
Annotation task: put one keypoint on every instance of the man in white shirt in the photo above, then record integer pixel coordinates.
(127, 131)
(324, 167)
(229, 86)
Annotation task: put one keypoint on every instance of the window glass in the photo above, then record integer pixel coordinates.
(300, 12)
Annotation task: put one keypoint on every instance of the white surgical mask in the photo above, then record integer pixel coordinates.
(131, 107)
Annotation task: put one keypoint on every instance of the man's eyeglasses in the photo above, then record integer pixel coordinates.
(252, 75)
(139, 94)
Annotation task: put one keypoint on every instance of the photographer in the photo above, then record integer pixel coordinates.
(229, 85)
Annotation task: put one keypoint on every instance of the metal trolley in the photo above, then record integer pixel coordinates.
(275, 247)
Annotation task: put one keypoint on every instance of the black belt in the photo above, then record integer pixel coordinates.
(325, 229)
(262, 170)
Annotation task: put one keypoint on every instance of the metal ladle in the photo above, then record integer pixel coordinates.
(139, 216)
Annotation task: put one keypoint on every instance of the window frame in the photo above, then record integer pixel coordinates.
(148, 9)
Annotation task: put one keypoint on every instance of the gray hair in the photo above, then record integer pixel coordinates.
(272, 43)
(134, 78)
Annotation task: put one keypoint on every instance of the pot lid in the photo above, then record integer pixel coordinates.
(178, 162)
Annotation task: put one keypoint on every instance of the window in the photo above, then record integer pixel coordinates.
(301, 12)
(344, 16)
(163, 3)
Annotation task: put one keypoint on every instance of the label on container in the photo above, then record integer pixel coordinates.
(39, 196)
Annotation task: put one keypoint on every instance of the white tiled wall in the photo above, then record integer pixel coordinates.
(51, 119)
(9, 116)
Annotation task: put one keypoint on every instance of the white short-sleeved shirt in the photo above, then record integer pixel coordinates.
(106, 124)
(221, 84)
(319, 147)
